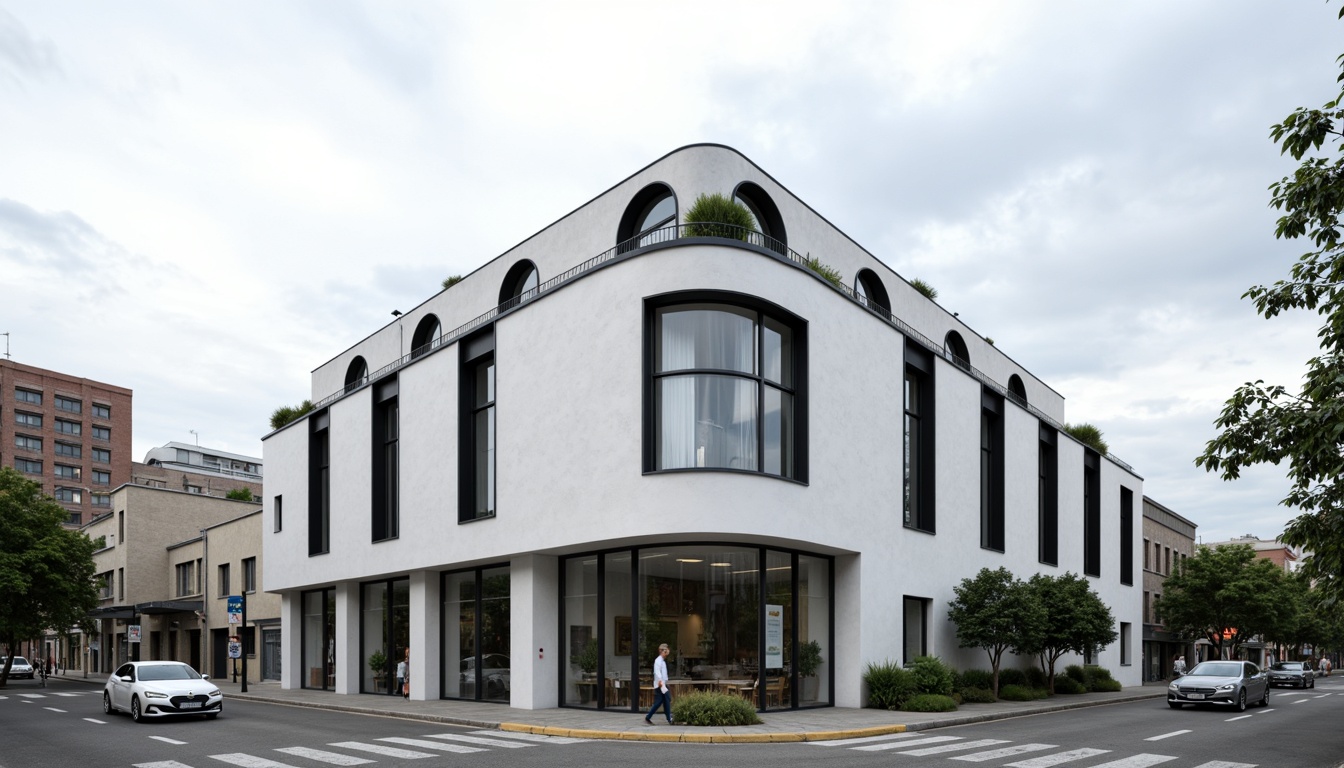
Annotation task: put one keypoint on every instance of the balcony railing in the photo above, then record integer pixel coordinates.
(719, 234)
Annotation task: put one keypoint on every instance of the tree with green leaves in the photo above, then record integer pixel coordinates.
(287, 413)
(46, 569)
(1301, 622)
(996, 611)
(240, 494)
(1226, 595)
(1076, 620)
(1088, 435)
(1269, 423)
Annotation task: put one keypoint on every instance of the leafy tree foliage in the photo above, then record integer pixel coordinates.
(1088, 435)
(1224, 594)
(241, 494)
(287, 413)
(1267, 423)
(1076, 619)
(1301, 622)
(996, 611)
(46, 570)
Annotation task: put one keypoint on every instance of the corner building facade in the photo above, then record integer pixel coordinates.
(627, 431)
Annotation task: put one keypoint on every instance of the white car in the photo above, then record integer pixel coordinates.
(20, 668)
(161, 688)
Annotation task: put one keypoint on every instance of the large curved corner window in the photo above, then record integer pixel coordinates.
(651, 217)
(426, 336)
(766, 213)
(871, 293)
(520, 284)
(356, 374)
(955, 347)
(1017, 391)
(726, 388)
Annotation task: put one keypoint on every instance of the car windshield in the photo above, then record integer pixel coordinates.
(1292, 666)
(19, 660)
(1218, 669)
(168, 672)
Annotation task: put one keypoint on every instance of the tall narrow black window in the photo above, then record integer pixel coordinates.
(917, 453)
(1091, 513)
(319, 484)
(991, 471)
(1126, 536)
(1047, 497)
(386, 481)
(477, 438)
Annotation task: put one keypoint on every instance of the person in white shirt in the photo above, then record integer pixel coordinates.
(1179, 667)
(660, 694)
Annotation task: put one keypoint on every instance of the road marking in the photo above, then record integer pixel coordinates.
(53, 709)
(163, 764)
(32, 695)
(1166, 735)
(1263, 711)
(322, 756)
(1225, 764)
(901, 744)
(866, 739)
(167, 740)
(460, 748)
(65, 694)
(379, 749)
(91, 720)
(478, 740)
(1137, 761)
(954, 747)
(994, 754)
(530, 737)
(1238, 717)
(1321, 696)
(248, 761)
(1301, 701)
(1056, 759)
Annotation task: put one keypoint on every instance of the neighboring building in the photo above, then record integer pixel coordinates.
(624, 432)
(153, 570)
(194, 469)
(1168, 540)
(71, 434)
(1287, 558)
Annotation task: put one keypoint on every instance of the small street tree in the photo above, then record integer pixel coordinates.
(1226, 595)
(996, 611)
(46, 570)
(1076, 619)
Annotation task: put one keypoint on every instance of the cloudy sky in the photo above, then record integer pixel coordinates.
(204, 201)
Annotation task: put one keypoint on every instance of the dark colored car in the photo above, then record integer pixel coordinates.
(1223, 683)
(1296, 674)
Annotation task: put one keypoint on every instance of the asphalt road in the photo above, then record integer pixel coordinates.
(64, 726)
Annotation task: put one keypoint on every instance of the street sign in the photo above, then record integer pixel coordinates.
(235, 609)
(133, 633)
(235, 650)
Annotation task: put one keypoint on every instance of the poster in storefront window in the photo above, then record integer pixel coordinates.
(774, 636)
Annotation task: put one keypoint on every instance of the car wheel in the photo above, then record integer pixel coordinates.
(139, 718)
(1313, 682)
(107, 705)
(1175, 704)
(1264, 700)
(1241, 700)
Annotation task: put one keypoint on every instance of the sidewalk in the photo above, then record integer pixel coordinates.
(794, 725)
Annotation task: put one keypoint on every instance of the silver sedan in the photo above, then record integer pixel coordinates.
(1224, 683)
(149, 689)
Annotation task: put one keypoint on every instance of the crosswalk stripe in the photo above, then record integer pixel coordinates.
(902, 744)
(994, 754)
(1059, 758)
(167, 740)
(53, 709)
(1137, 761)
(163, 764)
(379, 749)
(530, 737)
(866, 739)
(32, 695)
(244, 760)
(91, 720)
(65, 694)
(478, 740)
(323, 756)
(953, 747)
(1225, 764)
(460, 748)
(1166, 735)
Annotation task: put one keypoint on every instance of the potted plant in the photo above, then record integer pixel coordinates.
(809, 661)
(378, 665)
(586, 660)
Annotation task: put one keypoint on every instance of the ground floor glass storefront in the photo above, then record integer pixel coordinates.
(319, 639)
(746, 621)
(476, 628)
(385, 630)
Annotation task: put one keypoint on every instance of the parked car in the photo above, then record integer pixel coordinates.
(149, 689)
(1296, 674)
(20, 668)
(494, 673)
(1223, 683)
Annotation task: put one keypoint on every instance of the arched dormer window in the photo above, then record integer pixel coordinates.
(426, 336)
(356, 374)
(1017, 390)
(519, 285)
(869, 290)
(651, 217)
(768, 220)
(955, 347)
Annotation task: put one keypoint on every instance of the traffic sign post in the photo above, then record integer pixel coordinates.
(238, 616)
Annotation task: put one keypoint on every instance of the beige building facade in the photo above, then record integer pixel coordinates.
(1168, 540)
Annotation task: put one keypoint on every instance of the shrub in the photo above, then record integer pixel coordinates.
(977, 696)
(889, 685)
(1012, 677)
(929, 702)
(1075, 672)
(1088, 435)
(710, 212)
(1066, 684)
(240, 494)
(1099, 679)
(928, 290)
(1035, 677)
(931, 676)
(710, 708)
(975, 678)
(1021, 693)
(831, 274)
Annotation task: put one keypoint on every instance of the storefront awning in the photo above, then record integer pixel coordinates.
(146, 609)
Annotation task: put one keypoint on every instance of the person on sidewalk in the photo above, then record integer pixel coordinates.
(1179, 667)
(660, 694)
(404, 674)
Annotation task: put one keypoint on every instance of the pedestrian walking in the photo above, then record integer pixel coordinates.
(661, 697)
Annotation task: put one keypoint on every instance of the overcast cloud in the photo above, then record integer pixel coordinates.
(204, 201)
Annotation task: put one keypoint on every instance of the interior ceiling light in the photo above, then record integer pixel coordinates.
(690, 560)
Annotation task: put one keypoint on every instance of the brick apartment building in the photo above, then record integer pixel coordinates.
(70, 433)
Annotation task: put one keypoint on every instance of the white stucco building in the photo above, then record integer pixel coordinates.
(623, 432)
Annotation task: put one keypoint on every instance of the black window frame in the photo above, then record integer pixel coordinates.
(32, 397)
(249, 575)
(102, 433)
(992, 534)
(68, 404)
(1126, 536)
(385, 506)
(101, 411)
(918, 498)
(102, 455)
(1091, 513)
(476, 353)
(1047, 496)
(319, 484)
